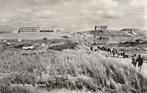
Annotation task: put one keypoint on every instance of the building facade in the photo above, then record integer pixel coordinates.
(100, 28)
(28, 29)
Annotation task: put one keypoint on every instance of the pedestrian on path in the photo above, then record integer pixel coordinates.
(134, 58)
(140, 61)
(113, 52)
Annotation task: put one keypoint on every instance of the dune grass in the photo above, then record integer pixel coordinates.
(16, 89)
(70, 69)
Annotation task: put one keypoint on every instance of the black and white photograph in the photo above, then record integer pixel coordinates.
(73, 46)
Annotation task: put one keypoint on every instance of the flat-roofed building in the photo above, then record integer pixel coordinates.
(28, 29)
(97, 28)
(46, 29)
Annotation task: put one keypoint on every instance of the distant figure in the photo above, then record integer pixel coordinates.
(116, 52)
(123, 54)
(140, 61)
(109, 50)
(113, 52)
(134, 62)
(91, 48)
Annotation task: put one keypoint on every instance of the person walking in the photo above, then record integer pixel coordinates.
(91, 48)
(116, 52)
(134, 60)
(109, 50)
(140, 61)
(123, 54)
(113, 52)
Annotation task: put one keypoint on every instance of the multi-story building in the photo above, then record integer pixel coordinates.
(28, 29)
(34, 29)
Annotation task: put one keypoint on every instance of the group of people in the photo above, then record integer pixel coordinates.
(117, 53)
(114, 52)
(137, 60)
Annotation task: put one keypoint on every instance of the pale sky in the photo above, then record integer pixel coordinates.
(74, 15)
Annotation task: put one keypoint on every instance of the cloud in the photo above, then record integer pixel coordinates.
(140, 10)
(74, 14)
(137, 3)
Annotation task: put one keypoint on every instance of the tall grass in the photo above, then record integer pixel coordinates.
(71, 69)
(16, 89)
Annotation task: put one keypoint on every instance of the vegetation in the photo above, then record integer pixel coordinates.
(62, 44)
(70, 69)
(7, 89)
(65, 65)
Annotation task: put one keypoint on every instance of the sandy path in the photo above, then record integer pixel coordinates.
(144, 69)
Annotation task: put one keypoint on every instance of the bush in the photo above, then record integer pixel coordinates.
(64, 45)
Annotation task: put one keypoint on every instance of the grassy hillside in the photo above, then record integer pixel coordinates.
(66, 64)
(119, 36)
(69, 69)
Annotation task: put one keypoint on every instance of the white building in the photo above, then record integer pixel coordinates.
(28, 29)
(46, 29)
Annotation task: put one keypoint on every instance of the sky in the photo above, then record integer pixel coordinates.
(73, 15)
